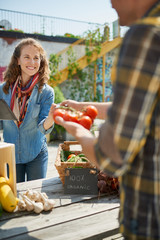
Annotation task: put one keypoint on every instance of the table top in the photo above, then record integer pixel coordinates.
(73, 217)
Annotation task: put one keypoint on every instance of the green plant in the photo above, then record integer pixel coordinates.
(59, 97)
(72, 63)
(83, 87)
(55, 74)
(93, 40)
(69, 35)
(37, 33)
(16, 30)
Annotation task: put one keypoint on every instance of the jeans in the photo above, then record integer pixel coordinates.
(35, 169)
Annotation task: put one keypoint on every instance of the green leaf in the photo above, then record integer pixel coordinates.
(64, 155)
(1, 209)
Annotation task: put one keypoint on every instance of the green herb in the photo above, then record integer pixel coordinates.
(64, 155)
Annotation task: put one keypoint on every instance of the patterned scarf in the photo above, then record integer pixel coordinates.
(20, 96)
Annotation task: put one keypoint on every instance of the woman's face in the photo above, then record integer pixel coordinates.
(29, 62)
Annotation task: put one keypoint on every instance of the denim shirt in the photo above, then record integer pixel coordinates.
(29, 138)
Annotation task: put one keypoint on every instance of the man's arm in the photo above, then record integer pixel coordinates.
(102, 107)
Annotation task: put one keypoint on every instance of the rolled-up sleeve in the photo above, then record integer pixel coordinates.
(47, 99)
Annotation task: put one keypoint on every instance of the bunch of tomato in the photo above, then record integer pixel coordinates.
(85, 117)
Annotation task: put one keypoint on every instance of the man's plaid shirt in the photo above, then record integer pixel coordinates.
(135, 120)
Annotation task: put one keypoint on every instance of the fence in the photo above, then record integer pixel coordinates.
(47, 25)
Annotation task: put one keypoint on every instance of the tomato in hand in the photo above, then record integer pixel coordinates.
(85, 121)
(90, 111)
(58, 113)
(70, 116)
(84, 117)
(80, 114)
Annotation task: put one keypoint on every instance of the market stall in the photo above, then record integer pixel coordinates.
(73, 216)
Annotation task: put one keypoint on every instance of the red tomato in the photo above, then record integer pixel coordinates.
(91, 111)
(71, 155)
(58, 113)
(80, 114)
(70, 116)
(85, 121)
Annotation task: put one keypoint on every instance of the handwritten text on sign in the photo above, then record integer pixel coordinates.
(81, 181)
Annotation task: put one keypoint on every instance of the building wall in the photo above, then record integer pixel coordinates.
(8, 41)
(73, 89)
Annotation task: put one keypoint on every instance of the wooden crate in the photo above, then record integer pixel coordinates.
(61, 166)
(7, 157)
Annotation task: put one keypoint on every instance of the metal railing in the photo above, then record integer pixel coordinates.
(46, 25)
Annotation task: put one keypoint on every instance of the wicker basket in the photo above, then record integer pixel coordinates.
(61, 166)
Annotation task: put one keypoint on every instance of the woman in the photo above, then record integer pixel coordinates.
(26, 91)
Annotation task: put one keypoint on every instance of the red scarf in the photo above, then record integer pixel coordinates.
(20, 96)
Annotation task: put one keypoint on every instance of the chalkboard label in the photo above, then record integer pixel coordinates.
(81, 181)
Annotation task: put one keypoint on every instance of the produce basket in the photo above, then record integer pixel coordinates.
(62, 165)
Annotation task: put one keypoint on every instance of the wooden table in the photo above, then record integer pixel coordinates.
(74, 216)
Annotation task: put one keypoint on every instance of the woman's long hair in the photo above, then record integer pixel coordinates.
(13, 70)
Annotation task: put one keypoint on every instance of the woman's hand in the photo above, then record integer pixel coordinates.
(52, 109)
(49, 120)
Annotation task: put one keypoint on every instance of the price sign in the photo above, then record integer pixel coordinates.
(81, 181)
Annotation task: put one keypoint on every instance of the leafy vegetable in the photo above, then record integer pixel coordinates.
(74, 158)
(64, 155)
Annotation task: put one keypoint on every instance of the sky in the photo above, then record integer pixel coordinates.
(97, 11)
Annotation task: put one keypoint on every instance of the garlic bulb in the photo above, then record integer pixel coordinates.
(48, 204)
(38, 207)
(29, 204)
(33, 195)
(21, 205)
(35, 201)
